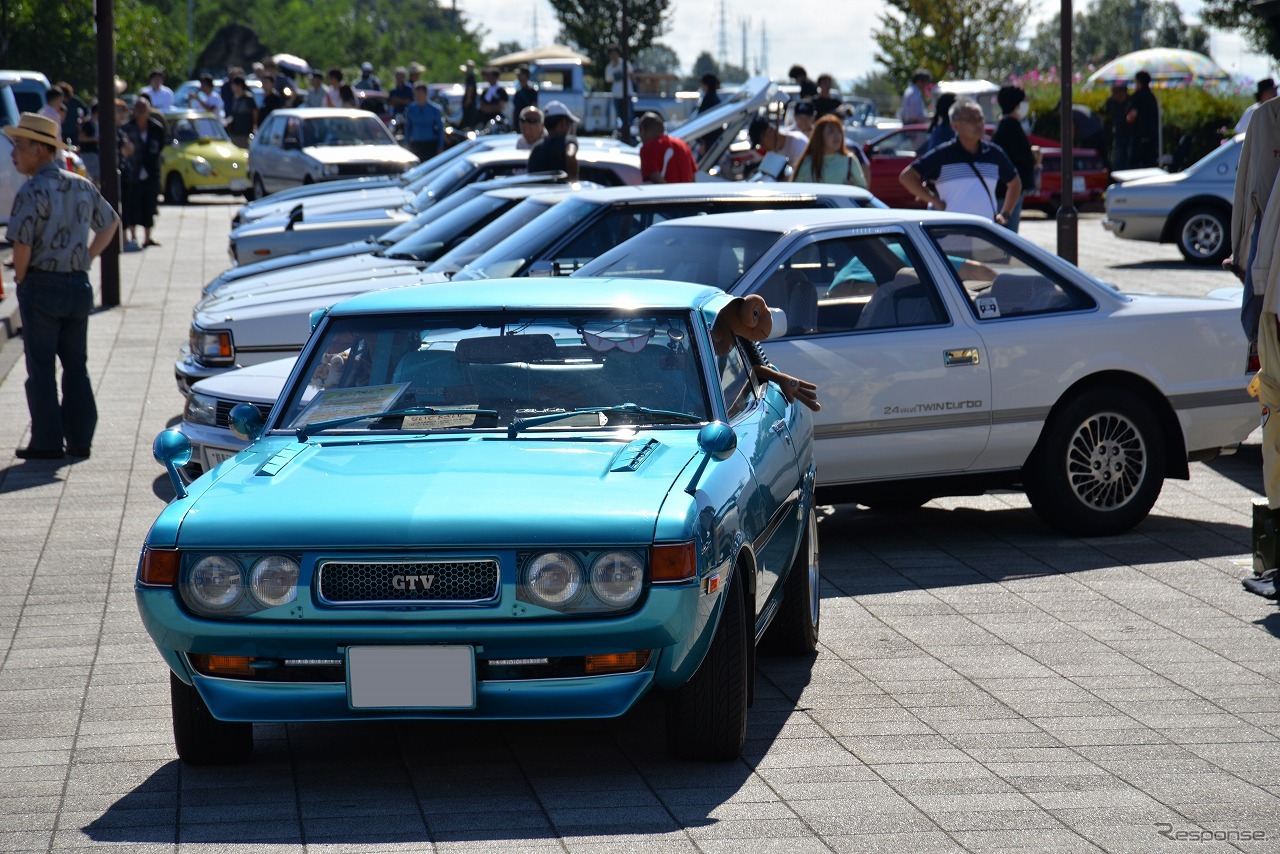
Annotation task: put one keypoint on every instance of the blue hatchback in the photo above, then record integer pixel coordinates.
(492, 500)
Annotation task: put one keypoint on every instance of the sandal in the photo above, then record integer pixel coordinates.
(150, 242)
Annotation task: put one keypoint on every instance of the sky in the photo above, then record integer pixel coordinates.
(847, 54)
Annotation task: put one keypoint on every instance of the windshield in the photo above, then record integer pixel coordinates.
(440, 183)
(1220, 158)
(345, 130)
(510, 256)
(484, 370)
(705, 256)
(480, 244)
(189, 130)
(421, 175)
(445, 232)
(431, 214)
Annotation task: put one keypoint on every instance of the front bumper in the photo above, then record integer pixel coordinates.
(1115, 226)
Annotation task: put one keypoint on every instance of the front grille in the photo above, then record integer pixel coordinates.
(457, 582)
(222, 417)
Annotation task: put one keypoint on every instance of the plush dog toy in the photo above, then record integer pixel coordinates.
(748, 318)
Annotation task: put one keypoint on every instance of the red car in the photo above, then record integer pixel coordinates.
(895, 150)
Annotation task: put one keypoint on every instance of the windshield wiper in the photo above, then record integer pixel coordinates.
(625, 408)
(320, 426)
(402, 256)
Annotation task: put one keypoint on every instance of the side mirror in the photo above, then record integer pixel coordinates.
(316, 316)
(173, 449)
(716, 440)
(245, 421)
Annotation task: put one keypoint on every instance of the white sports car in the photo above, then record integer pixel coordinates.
(953, 356)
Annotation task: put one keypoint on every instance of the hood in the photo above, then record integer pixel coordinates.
(447, 491)
(362, 154)
(297, 259)
(389, 195)
(1139, 177)
(217, 152)
(323, 272)
(254, 384)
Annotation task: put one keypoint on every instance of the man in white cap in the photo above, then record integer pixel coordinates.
(558, 150)
(368, 80)
(58, 225)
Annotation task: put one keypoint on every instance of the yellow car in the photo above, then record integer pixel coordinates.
(200, 158)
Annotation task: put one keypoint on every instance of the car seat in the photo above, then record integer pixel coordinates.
(902, 301)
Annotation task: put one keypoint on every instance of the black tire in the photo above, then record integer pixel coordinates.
(307, 179)
(1203, 235)
(259, 188)
(794, 630)
(707, 716)
(175, 192)
(201, 738)
(1099, 466)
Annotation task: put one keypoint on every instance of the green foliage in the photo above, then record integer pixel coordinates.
(592, 25)
(1104, 30)
(1207, 117)
(1263, 34)
(880, 88)
(658, 58)
(952, 39)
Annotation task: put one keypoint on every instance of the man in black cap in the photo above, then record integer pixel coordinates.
(58, 225)
(1266, 91)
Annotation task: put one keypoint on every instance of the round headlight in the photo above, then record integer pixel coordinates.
(202, 166)
(553, 579)
(274, 580)
(215, 582)
(617, 578)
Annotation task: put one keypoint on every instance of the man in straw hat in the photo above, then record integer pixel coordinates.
(58, 225)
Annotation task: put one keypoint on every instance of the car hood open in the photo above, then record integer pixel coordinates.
(447, 490)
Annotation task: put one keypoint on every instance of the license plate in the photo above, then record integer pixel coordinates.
(216, 456)
(1077, 184)
(239, 184)
(411, 677)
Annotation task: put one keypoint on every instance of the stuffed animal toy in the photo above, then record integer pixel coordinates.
(748, 318)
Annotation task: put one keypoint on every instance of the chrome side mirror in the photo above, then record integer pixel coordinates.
(245, 422)
(173, 449)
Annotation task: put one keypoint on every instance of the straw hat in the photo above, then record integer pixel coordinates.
(37, 127)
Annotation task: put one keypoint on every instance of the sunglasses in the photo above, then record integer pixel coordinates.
(529, 121)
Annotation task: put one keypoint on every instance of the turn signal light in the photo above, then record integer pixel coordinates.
(617, 662)
(674, 562)
(223, 665)
(159, 567)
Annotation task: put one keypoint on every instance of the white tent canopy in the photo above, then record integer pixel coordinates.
(553, 51)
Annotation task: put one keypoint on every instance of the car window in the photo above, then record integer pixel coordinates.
(487, 243)
(445, 232)
(344, 130)
(902, 144)
(270, 133)
(735, 381)
(1001, 280)
(846, 284)
(705, 256)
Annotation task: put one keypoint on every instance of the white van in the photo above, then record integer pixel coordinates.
(10, 179)
(30, 89)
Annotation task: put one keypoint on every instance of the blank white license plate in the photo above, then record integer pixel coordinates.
(1077, 183)
(216, 456)
(411, 677)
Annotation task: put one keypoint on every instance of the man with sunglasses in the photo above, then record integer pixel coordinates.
(532, 130)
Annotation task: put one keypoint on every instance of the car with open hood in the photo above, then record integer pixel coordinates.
(491, 501)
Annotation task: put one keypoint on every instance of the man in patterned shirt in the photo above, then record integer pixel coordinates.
(59, 224)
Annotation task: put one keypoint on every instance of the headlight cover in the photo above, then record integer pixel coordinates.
(274, 580)
(553, 579)
(202, 166)
(328, 170)
(557, 580)
(200, 409)
(617, 578)
(212, 347)
(231, 584)
(215, 583)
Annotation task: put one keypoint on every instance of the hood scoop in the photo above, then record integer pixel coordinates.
(635, 454)
(281, 459)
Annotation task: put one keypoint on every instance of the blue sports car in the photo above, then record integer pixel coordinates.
(493, 500)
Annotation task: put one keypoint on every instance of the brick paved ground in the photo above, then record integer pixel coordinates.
(983, 683)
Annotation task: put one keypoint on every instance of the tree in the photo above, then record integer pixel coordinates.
(1262, 33)
(880, 88)
(658, 58)
(592, 25)
(1105, 30)
(505, 48)
(951, 38)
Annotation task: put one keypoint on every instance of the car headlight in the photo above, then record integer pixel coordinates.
(274, 580)
(553, 579)
(328, 170)
(617, 578)
(215, 583)
(202, 166)
(212, 348)
(200, 409)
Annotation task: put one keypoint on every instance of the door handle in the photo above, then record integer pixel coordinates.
(961, 356)
(780, 428)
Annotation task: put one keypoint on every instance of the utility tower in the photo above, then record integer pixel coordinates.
(723, 58)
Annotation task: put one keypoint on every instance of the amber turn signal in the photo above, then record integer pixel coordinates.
(674, 562)
(223, 665)
(159, 567)
(617, 662)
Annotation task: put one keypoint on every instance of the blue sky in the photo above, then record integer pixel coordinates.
(846, 52)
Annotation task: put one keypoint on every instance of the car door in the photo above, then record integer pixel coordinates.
(265, 152)
(764, 440)
(902, 377)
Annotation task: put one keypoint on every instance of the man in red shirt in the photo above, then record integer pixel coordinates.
(663, 159)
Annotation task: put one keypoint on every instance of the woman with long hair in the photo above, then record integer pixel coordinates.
(827, 159)
(940, 129)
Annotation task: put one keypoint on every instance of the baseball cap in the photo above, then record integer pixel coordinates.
(416, 66)
(558, 108)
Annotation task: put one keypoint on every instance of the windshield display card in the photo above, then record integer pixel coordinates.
(349, 402)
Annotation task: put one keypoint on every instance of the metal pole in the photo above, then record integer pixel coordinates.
(191, 38)
(107, 160)
(626, 76)
(1068, 220)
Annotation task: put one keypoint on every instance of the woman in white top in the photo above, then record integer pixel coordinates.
(828, 160)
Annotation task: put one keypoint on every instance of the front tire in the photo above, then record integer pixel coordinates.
(707, 716)
(201, 738)
(1099, 466)
(794, 630)
(1204, 235)
(175, 192)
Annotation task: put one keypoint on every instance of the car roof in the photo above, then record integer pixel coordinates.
(786, 221)
(322, 112)
(525, 293)
(586, 154)
(524, 191)
(645, 193)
